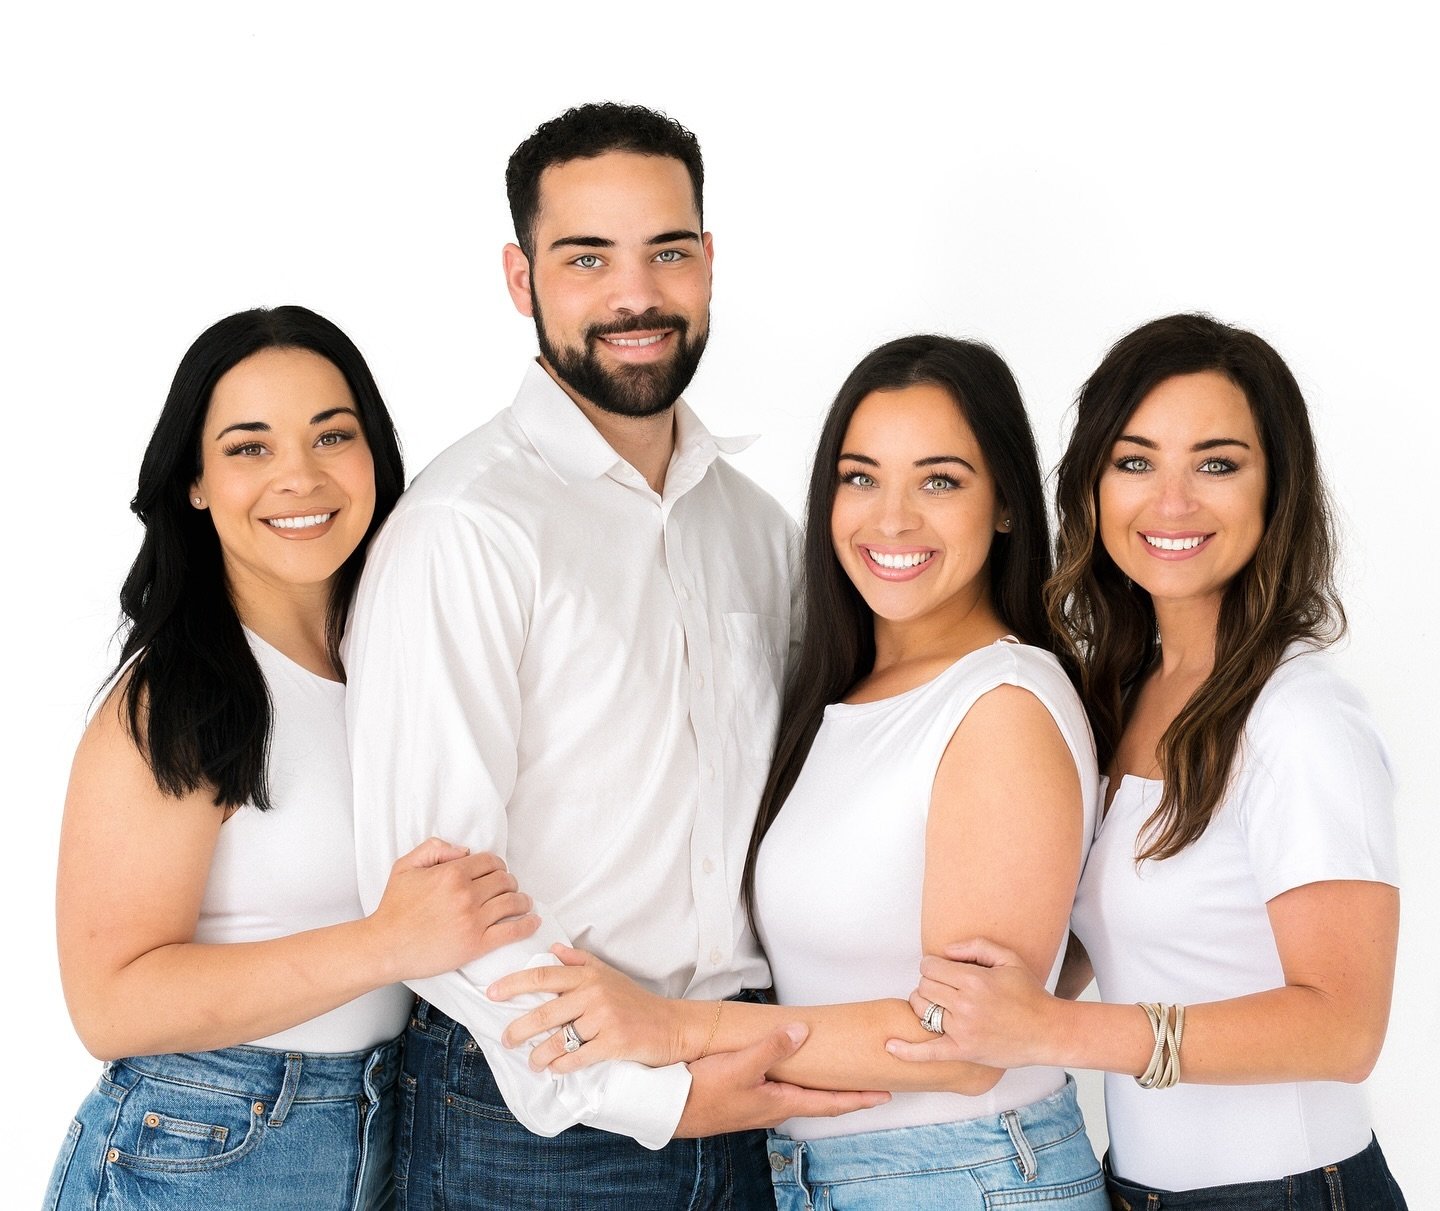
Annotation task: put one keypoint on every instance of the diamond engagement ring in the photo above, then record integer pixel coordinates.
(933, 1019)
(573, 1041)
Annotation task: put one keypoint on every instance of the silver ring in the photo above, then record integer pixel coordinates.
(934, 1019)
(573, 1041)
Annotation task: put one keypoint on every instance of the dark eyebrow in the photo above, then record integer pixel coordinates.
(321, 417)
(936, 460)
(1213, 443)
(581, 241)
(259, 426)
(245, 426)
(674, 237)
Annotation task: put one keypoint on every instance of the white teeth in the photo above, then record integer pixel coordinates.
(900, 562)
(299, 523)
(636, 342)
(1173, 544)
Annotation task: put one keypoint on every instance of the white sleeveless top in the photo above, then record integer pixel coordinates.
(1311, 799)
(292, 868)
(839, 877)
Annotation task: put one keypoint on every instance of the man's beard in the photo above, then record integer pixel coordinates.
(628, 390)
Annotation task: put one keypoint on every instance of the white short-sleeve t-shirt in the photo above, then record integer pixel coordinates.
(1311, 799)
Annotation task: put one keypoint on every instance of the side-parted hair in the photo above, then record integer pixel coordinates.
(837, 647)
(1285, 593)
(587, 131)
(194, 698)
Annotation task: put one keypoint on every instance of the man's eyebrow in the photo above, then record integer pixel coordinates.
(581, 241)
(674, 237)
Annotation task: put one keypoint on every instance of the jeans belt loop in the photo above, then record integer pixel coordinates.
(288, 1089)
(1025, 1155)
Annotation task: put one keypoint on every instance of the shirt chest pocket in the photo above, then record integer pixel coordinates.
(754, 659)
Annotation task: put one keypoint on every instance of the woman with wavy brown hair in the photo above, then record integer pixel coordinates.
(1239, 908)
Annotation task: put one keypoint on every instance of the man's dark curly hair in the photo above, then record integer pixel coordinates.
(587, 131)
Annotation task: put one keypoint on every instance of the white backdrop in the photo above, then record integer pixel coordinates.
(1043, 178)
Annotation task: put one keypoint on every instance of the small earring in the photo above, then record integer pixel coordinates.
(1005, 523)
(196, 499)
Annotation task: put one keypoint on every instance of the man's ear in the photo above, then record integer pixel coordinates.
(517, 279)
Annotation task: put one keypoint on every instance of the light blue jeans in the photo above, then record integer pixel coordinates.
(241, 1127)
(1035, 1157)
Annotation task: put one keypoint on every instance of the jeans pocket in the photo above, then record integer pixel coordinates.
(62, 1165)
(170, 1127)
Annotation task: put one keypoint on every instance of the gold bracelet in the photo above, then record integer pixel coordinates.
(714, 1025)
(1163, 1071)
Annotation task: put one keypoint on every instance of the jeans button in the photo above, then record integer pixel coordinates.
(778, 1161)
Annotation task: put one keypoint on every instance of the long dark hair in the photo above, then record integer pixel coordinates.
(1285, 593)
(194, 698)
(838, 645)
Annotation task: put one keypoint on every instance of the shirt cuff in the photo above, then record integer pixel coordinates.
(643, 1103)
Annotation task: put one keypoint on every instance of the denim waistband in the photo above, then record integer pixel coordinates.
(269, 1075)
(971, 1142)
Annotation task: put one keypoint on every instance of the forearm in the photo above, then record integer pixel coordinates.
(845, 1048)
(198, 997)
(1284, 1034)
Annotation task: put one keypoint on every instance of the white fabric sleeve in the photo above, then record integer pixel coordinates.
(434, 707)
(1315, 793)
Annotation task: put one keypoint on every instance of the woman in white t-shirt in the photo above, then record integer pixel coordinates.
(212, 942)
(1239, 905)
(935, 772)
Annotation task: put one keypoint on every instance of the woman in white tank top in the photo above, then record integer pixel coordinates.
(213, 947)
(1246, 867)
(935, 772)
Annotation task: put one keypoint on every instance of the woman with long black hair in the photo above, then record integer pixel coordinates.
(213, 948)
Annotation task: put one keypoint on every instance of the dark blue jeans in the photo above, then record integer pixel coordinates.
(1360, 1183)
(460, 1149)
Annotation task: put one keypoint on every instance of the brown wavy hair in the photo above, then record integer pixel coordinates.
(1285, 593)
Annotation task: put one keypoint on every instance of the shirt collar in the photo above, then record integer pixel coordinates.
(573, 448)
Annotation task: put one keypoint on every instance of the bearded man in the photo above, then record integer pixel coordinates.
(568, 648)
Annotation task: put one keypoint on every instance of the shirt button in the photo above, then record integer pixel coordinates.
(715, 956)
(707, 866)
(710, 769)
(700, 680)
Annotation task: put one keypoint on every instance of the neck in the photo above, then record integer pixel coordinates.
(645, 442)
(290, 618)
(1187, 636)
(970, 623)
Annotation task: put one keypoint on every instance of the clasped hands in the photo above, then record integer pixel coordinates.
(996, 1012)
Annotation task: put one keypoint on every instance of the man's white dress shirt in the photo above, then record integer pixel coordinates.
(550, 661)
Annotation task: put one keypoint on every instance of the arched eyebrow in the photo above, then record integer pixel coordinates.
(1213, 443)
(934, 460)
(260, 426)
